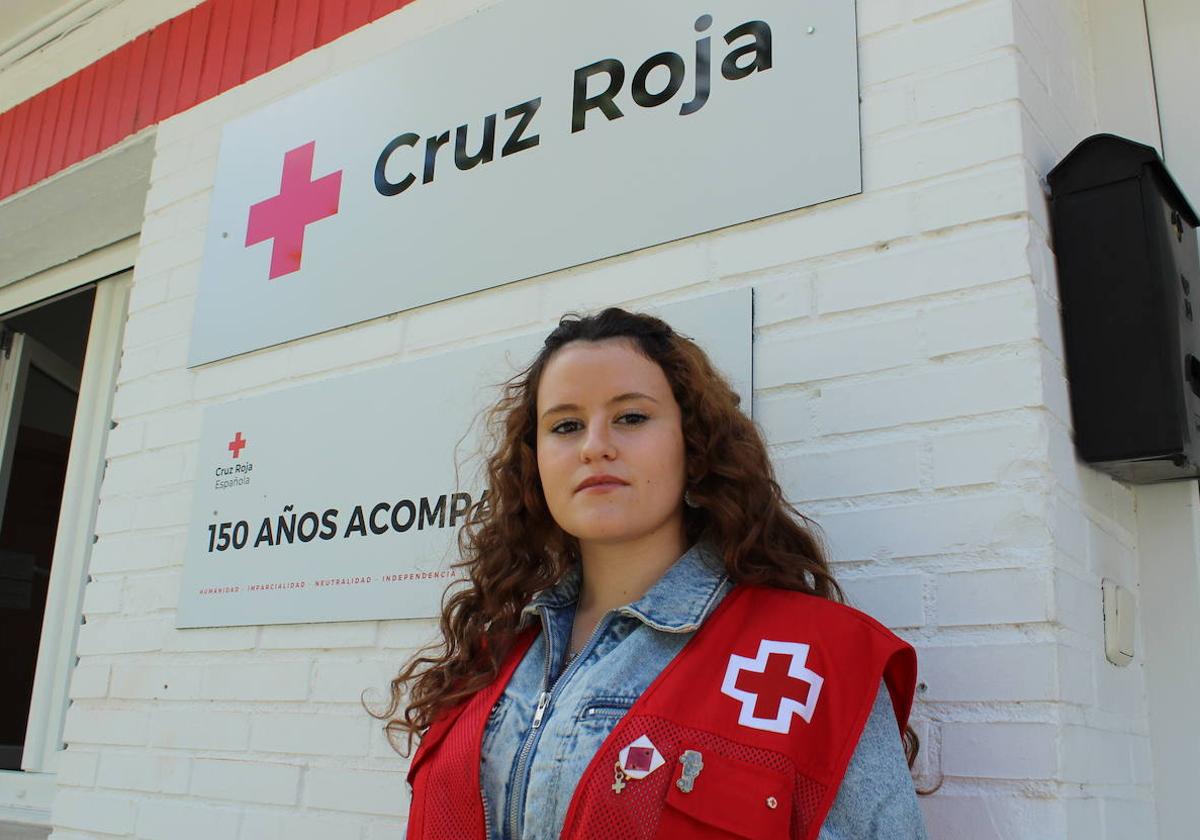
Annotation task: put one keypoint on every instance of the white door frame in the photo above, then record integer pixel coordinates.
(1168, 517)
(27, 796)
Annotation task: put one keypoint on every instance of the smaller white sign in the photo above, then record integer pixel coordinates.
(341, 500)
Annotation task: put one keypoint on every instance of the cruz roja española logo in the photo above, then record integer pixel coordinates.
(234, 474)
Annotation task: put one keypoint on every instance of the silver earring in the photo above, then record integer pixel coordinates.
(688, 500)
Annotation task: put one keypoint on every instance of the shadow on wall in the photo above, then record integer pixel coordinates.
(15, 831)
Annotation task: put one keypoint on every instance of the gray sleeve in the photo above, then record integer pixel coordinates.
(876, 800)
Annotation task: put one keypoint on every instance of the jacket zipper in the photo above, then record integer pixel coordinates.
(487, 823)
(548, 691)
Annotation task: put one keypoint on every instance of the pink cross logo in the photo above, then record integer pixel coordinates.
(236, 445)
(301, 201)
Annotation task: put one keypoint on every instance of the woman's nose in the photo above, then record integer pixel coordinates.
(597, 442)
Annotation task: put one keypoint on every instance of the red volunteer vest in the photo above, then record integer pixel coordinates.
(754, 723)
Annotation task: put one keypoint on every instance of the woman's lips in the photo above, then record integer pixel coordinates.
(608, 485)
(600, 482)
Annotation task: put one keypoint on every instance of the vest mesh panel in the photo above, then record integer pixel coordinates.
(445, 817)
(637, 811)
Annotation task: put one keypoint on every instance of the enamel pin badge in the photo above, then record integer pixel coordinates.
(693, 763)
(637, 761)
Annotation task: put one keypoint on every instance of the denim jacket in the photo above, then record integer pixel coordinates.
(529, 773)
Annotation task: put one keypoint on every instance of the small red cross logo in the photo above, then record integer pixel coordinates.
(301, 201)
(237, 444)
(773, 686)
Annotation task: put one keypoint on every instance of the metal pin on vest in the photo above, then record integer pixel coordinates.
(692, 763)
(637, 760)
(619, 778)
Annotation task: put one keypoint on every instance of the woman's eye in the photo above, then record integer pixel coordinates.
(564, 427)
(633, 418)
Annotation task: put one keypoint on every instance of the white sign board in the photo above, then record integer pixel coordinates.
(530, 137)
(341, 500)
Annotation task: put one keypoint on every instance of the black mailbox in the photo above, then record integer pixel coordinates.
(1129, 285)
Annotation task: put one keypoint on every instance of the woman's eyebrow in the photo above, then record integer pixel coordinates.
(631, 395)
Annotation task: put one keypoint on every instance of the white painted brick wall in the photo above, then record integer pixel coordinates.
(166, 819)
(896, 600)
(261, 825)
(255, 681)
(90, 680)
(77, 768)
(1103, 741)
(106, 813)
(246, 781)
(993, 596)
(143, 771)
(1000, 750)
(909, 383)
(358, 791)
(186, 727)
(313, 734)
(968, 670)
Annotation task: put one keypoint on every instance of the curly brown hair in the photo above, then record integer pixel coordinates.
(512, 548)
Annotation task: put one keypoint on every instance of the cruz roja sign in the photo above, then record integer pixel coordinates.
(341, 500)
(740, 62)
(530, 137)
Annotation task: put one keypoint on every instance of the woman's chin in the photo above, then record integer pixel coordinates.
(614, 531)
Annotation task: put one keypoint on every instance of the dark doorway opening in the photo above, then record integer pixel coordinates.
(41, 360)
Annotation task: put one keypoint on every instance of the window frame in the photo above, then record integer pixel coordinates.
(26, 795)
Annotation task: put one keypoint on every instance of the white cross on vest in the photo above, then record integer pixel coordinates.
(773, 686)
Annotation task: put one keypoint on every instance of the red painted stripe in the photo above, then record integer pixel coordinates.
(379, 8)
(58, 144)
(41, 158)
(262, 13)
(127, 108)
(79, 115)
(357, 14)
(156, 56)
(330, 21)
(95, 113)
(6, 131)
(280, 49)
(189, 83)
(168, 91)
(214, 50)
(305, 37)
(12, 159)
(200, 53)
(109, 131)
(235, 45)
(37, 111)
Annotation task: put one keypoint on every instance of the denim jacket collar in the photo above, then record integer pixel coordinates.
(677, 603)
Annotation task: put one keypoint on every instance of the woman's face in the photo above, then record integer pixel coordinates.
(606, 411)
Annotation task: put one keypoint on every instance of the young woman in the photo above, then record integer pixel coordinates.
(651, 644)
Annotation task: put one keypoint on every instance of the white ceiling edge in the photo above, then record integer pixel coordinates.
(93, 204)
(43, 42)
(29, 25)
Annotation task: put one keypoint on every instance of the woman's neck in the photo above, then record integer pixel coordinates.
(615, 574)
